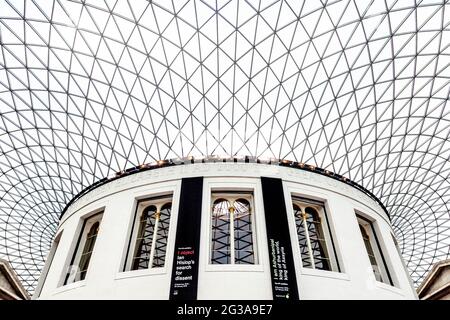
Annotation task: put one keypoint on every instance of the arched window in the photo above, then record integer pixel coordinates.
(87, 250)
(79, 265)
(243, 237)
(315, 242)
(150, 241)
(159, 255)
(144, 238)
(377, 261)
(370, 253)
(220, 245)
(232, 236)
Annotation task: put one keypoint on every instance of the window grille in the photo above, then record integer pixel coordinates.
(232, 230)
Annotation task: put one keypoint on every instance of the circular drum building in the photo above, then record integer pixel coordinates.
(90, 88)
(225, 229)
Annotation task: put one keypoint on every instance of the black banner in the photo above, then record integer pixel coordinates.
(185, 261)
(282, 268)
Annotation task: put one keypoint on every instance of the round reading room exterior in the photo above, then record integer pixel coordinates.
(225, 229)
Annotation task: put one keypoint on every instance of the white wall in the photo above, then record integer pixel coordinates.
(105, 280)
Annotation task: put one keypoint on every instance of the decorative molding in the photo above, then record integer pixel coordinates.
(238, 169)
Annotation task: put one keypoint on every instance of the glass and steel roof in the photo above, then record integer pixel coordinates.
(88, 88)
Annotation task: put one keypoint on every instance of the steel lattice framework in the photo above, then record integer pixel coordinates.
(88, 88)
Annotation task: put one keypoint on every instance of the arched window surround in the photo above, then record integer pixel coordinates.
(78, 268)
(315, 243)
(149, 238)
(232, 243)
(373, 250)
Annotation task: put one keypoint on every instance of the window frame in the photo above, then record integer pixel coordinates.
(369, 225)
(296, 188)
(228, 195)
(326, 229)
(160, 200)
(85, 223)
(233, 184)
(172, 187)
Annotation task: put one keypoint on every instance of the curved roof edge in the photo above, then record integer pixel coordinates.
(211, 159)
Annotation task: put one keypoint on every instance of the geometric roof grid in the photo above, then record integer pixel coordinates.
(89, 88)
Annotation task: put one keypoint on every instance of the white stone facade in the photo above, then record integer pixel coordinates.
(106, 279)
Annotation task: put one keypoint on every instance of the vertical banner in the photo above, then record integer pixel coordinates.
(282, 268)
(184, 281)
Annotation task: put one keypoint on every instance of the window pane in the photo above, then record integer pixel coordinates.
(162, 234)
(317, 238)
(87, 251)
(80, 261)
(144, 238)
(370, 253)
(232, 239)
(243, 237)
(150, 240)
(220, 242)
(302, 240)
(314, 243)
